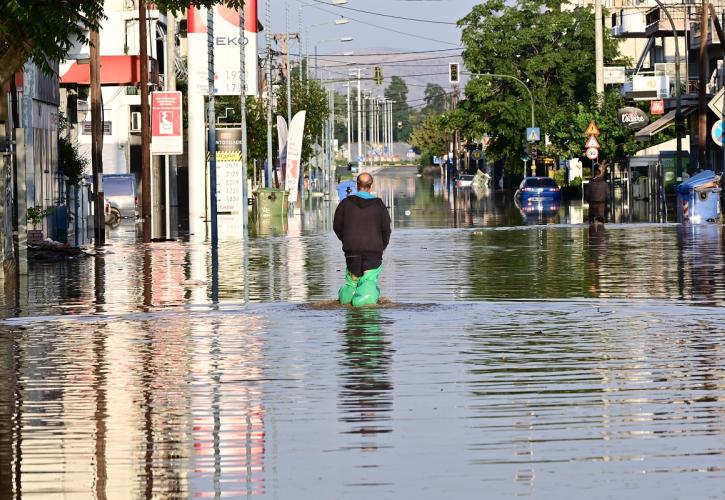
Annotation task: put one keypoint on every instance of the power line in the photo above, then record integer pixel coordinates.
(384, 28)
(391, 16)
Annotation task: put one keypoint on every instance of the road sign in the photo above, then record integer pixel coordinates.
(592, 143)
(592, 153)
(360, 159)
(717, 132)
(476, 154)
(533, 134)
(716, 102)
(592, 129)
(166, 128)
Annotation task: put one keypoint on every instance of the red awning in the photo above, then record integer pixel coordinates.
(115, 70)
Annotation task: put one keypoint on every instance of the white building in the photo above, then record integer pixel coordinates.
(120, 77)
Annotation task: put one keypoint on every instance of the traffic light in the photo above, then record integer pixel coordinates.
(378, 75)
(453, 73)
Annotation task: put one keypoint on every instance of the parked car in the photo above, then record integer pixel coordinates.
(464, 181)
(120, 191)
(353, 167)
(538, 189)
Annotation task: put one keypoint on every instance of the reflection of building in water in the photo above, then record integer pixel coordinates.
(366, 399)
(227, 411)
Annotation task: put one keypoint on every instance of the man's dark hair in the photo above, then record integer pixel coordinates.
(599, 173)
(364, 182)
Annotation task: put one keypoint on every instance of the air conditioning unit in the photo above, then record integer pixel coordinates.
(135, 121)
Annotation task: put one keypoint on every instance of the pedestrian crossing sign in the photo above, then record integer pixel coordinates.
(533, 134)
(592, 129)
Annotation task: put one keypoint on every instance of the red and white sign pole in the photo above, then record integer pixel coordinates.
(227, 67)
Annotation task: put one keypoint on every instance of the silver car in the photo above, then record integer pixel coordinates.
(120, 191)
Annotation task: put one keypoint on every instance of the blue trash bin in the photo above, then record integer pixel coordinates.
(698, 199)
(345, 189)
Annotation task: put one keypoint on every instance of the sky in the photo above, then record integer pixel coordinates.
(380, 33)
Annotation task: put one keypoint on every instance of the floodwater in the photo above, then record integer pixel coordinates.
(515, 354)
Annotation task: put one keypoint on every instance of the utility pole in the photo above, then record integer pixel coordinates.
(349, 131)
(598, 49)
(243, 114)
(212, 134)
(170, 81)
(145, 132)
(268, 36)
(99, 221)
(359, 116)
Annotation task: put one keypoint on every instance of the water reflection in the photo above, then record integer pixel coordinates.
(366, 394)
(123, 380)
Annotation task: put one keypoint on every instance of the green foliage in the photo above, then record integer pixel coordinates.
(309, 95)
(256, 123)
(430, 136)
(617, 141)
(70, 161)
(435, 98)
(551, 50)
(560, 177)
(397, 91)
(37, 214)
(576, 182)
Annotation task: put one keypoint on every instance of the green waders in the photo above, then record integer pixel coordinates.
(363, 291)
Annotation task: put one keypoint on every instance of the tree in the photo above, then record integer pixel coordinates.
(397, 91)
(435, 99)
(46, 30)
(617, 141)
(430, 136)
(311, 96)
(551, 50)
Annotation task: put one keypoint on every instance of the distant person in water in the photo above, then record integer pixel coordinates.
(597, 195)
(362, 224)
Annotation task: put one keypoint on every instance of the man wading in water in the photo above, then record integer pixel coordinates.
(362, 223)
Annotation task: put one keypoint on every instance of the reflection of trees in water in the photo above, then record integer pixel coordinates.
(366, 392)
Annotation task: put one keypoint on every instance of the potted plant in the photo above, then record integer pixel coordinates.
(35, 216)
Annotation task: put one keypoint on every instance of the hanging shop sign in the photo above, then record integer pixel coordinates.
(632, 118)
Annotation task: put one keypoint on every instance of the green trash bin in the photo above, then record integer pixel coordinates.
(270, 202)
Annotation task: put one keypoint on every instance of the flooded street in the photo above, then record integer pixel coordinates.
(516, 353)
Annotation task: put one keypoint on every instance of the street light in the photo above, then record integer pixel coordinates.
(343, 39)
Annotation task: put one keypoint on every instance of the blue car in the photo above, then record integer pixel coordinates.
(538, 190)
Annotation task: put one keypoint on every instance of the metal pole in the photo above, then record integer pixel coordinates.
(332, 144)
(99, 228)
(243, 115)
(170, 86)
(243, 119)
(359, 115)
(268, 42)
(598, 49)
(212, 130)
(349, 131)
(299, 40)
(288, 79)
(678, 100)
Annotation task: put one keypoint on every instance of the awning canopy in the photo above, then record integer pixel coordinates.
(660, 124)
(115, 70)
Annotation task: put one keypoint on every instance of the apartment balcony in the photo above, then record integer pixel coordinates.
(659, 25)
